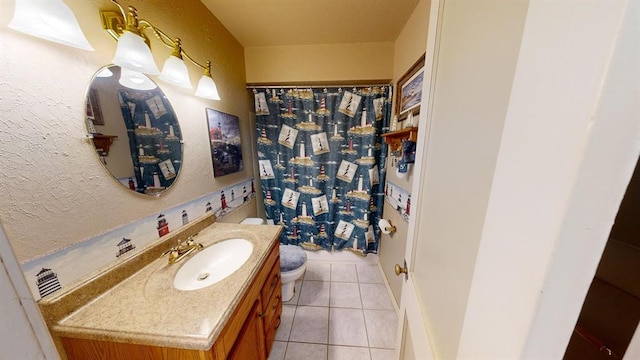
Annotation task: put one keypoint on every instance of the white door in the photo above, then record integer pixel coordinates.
(413, 340)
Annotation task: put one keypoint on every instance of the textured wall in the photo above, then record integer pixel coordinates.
(336, 63)
(54, 193)
(412, 41)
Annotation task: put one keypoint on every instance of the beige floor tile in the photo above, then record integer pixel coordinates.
(310, 324)
(346, 327)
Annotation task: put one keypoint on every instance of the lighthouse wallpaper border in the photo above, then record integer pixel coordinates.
(225, 142)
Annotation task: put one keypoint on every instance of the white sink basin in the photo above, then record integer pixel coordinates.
(213, 264)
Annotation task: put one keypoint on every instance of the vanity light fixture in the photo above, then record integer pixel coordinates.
(51, 20)
(134, 53)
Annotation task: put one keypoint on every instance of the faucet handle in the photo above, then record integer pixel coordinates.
(173, 255)
(167, 252)
(189, 240)
(181, 243)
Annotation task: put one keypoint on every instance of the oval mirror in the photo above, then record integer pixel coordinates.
(134, 130)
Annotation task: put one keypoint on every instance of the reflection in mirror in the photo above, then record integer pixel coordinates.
(135, 131)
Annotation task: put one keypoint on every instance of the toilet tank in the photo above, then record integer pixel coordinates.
(252, 221)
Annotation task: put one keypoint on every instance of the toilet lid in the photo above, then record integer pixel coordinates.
(252, 221)
(291, 257)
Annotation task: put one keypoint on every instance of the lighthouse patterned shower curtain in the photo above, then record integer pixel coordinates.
(321, 164)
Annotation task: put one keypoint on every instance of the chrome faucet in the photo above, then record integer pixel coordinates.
(181, 250)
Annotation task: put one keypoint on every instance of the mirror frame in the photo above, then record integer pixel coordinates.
(146, 124)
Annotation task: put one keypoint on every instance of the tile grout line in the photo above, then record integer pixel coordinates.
(329, 307)
(366, 331)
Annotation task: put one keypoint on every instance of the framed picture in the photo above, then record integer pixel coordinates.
(93, 108)
(409, 93)
(224, 139)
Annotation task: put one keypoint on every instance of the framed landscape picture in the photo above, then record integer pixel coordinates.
(409, 93)
(225, 143)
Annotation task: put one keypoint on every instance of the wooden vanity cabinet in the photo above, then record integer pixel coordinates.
(263, 307)
(248, 334)
(250, 341)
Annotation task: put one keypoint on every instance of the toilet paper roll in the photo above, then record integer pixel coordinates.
(385, 226)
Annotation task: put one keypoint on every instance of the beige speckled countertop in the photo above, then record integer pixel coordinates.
(146, 309)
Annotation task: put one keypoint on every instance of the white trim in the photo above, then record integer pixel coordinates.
(341, 256)
(610, 156)
(421, 344)
(20, 288)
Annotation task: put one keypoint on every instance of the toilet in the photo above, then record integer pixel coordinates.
(293, 263)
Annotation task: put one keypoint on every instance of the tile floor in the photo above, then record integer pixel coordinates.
(340, 311)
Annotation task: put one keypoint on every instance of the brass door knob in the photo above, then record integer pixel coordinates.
(402, 270)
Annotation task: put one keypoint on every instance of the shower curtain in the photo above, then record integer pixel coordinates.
(321, 164)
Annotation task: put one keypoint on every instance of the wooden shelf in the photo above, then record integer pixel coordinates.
(394, 138)
(103, 143)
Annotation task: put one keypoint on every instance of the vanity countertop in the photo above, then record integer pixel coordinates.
(146, 309)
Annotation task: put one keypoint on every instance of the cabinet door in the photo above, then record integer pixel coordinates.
(272, 319)
(250, 341)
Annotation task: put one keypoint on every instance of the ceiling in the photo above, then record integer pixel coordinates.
(307, 22)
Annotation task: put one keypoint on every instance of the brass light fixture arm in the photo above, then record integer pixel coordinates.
(130, 22)
(161, 35)
(122, 11)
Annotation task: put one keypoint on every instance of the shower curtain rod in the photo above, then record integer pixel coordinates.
(299, 86)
